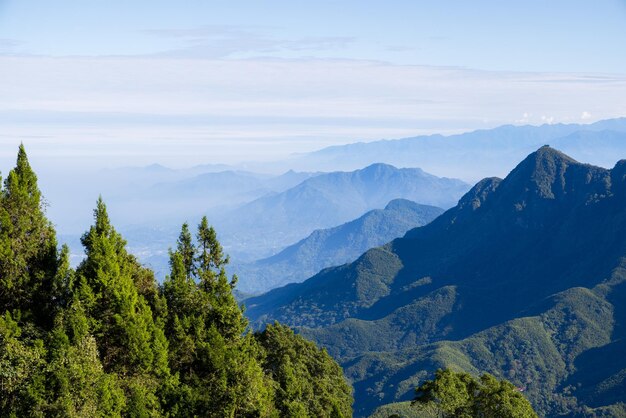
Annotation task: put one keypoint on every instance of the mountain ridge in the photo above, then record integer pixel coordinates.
(509, 261)
(476, 154)
(328, 200)
(334, 246)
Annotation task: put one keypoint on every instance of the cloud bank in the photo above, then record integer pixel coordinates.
(177, 111)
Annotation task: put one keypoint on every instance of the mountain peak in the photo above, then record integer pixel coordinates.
(396, 204)
(379, 167)
(547, 154)
(542, 171)
(618, 174)
(156, 167)
(536, 258)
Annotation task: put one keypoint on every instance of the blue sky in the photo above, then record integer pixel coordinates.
(161, 81)
(531, 35)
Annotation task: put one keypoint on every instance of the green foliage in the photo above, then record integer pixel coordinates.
(78, 384)
(131, 342)
(524, 279)
(402, 410)
(28, 246)
(459, 395)
(21, 364)
(309, 382)
(107, 341)
(215, 360)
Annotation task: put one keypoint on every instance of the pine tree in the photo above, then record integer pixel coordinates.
(215, 359)
(227, 315)
(186, 249)
(76, 382)
(131, 344)
(29, 257)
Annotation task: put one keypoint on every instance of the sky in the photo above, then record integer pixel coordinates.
(95, 83)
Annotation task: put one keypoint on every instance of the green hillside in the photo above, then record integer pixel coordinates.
(525, 279)
(334, 246)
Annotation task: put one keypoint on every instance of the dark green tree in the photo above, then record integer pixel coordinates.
(309, 383)
(459, 395)
(186, 249)
(29, 257)
(22, 362)
(215, 359)
(76, 382)
(130, 341)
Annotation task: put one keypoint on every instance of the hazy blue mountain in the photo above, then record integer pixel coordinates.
(473, 155)
(525, 278)
(150, 203)
(288, 180)
(71, 194)
(179, 199)
(334, 246)
(126, 190)
(269, 224)
(226, 184)
(191, 197)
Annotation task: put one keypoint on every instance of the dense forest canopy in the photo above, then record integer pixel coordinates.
(107, 340)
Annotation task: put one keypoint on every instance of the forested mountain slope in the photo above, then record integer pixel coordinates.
(525, 278)
(334, 246)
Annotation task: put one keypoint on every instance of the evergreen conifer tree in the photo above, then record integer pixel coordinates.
(130, 342)
(216, 361)
(29, 257)
(22, 363)
(76, 382)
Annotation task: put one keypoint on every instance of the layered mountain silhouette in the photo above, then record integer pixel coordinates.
(198, 193)
(271, 223)
(473, 155)
(525, 278)
(334, 246)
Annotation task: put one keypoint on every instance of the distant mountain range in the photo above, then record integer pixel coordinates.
(473, 155)
(333, 246)
(270, 223)
(525, 278)
(150, 203)
(227, 184)
(178, 199)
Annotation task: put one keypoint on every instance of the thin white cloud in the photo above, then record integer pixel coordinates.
(194, 110)
(205, 31)
(526, 118)
(9, 46)
(222, 41)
